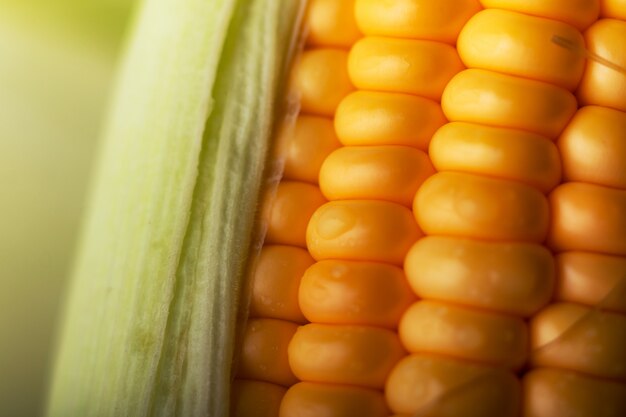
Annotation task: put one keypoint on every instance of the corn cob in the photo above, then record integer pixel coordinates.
(474, 176)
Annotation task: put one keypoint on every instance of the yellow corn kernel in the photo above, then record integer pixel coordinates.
(432, 385)
(498, 152)
(255, 398)
(592, 147)
(519, 44)
(467, 205)
(373, 118)
(343, 354)
(276, 282)
(592, 279)
(362, 230)
(312, 139)
(390, 173)
(292, 207)
(578, 338)
(309, 399)
(439, 20)
(554, 392)
(321, 79)
(602, 85)
(578, 13)
(331, 23)
(264, 351)
(615, 9)
(487, 97)
(345, 292)
(465, 333)
(409, 66)
(515, 278)
(588, 217)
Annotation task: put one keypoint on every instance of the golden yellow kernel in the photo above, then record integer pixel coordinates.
(593, 148)
(348, 292)
(344, 354)
(312, 139)
(276, 281)
(362, 230)
(615, 9)
(390, 173)
(375, 118)
(588, 217)
(592, 279)
(497, 152)
(578, 13)
(433, 385)
(573, 337)
(519, 44)
(255, 398)
(468, 205)
(508, 277)
(264, 351)
(605, 85)
(439, 20)
(465, 333)
(310, 399)
(331, 23)
(321, 79)
(490, 98)
(551, 392)
(407, 66)
(291, 208)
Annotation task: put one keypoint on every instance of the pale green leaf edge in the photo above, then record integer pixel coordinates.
(140, 335)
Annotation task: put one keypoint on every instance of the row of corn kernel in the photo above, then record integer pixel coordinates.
(320, 78)
(553, 320)
(578, 342)
(407, 60)
(551, 69)
(521, 81)
(453, 344)
(362, 235)
(355, 293)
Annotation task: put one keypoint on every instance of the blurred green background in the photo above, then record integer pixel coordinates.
(57, 63)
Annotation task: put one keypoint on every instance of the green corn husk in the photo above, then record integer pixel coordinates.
(150, 321)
